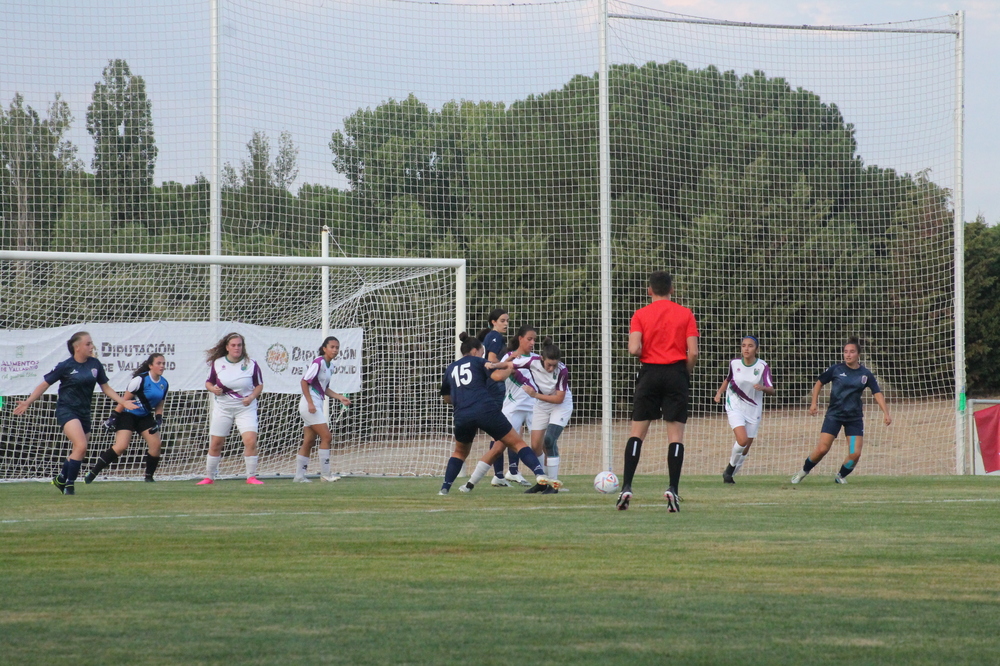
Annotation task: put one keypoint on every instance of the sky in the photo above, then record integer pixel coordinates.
(303, 66)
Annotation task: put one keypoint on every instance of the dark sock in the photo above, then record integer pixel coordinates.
(808, 465)
(845, 470)
(512, 459)
(675, 460)
(64, 472)
(633, 449)
(103, 460)
(530, 460)
(151, 464)
(497, 464)
(72, 470)
(450, 474)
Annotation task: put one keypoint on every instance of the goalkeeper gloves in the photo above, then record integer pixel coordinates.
(159, 422)
(109, 425)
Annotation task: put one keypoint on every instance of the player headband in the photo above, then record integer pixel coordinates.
(755, 341)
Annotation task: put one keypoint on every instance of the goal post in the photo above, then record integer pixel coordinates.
(396, 318)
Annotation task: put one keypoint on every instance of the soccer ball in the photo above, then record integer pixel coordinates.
(606, 482)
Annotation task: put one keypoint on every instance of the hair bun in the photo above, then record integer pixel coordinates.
(463, 336)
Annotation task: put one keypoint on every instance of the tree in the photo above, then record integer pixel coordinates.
(120, 119)
(982, 307)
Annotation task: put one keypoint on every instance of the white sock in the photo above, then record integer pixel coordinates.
(482, 469)
(251, 462)
(740, 463)
(324, 462)
(552, 468)
(734, 459)
(212, 466)
(301, 465)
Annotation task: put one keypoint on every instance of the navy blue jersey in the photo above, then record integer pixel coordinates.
(76, 383)
(494, 342)
(848, 385)
(148, 394)
(468, 382)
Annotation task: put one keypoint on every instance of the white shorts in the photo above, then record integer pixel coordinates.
(319, 418)
(223, 417)
(547, 413)
(737, 419)
(518, 417)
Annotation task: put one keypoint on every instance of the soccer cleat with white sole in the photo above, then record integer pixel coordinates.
(517, 478)
(623, 500)
(330, 478)
(801, 474)
(500, 482)
(301, 479)
(839, 479)
(466, 487)
(443, 491)
(673, 500)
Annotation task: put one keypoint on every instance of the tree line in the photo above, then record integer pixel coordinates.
(737, 184)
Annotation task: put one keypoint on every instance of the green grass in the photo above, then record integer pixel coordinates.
(884, 570)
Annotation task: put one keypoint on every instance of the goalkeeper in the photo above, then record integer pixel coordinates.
(148, 388)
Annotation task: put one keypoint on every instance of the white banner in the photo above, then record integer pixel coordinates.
(282, 353)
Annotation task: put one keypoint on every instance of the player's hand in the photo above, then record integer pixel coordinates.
(717, 398)
(530, 391)
(813, 409)
(21, 408)
(159, 423)
(312, 408)
(345, 402)
(109, 424)
(215, 390)
(887, 419)
(247, 400)
(129, 404)
(758, 387)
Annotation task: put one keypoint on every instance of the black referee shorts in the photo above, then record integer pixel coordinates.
(661, 391)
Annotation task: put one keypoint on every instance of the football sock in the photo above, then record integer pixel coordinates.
(324, 462)
(734, 459)
(512, 460)
(64, 472)
(633, 449)
(482, 469)
(452, 471)
(251, 463)
(552, 467)
(675, 460)
(301, 465)
(497, 464)
(152, 462)
(72, 470)
(808, 465)
(847, 468)
(212, 466)
(740, 462)
(103, 460)
(530, 461)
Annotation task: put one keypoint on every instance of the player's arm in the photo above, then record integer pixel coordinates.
(722, 389)
(556, 398)
(336, 396)
(258, 387)
(308, 395)
(22, 406)
(128, 396)
(692, 353)
(880, 400)
(501, 371)
(122, 402)
(635, 343)
(768, 390)
(814, 403)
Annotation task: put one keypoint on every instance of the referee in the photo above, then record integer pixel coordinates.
(664, 335)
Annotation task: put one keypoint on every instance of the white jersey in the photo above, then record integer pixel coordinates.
(515, 397)
(318, 377)
(549, 383)
(741, 396)
(237, 380)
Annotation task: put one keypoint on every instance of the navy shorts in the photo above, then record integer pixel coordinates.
(494, 424)
(852, 428)
(661, 391)
(64, 416)
(128, 421)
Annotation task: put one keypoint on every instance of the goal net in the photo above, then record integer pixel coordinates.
(798, 181)
(396, 325)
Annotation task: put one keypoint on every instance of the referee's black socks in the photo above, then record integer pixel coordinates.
(633, 449)
(675, 460)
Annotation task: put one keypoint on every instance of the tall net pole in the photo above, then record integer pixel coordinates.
(604, 164)
(961, 449)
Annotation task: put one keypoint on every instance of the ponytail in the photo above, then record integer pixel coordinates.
(144, 366)
(549, 350)
(327, 341)
(515, 342)
(469, 343)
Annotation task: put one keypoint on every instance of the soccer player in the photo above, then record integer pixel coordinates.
(664, 335)
(496, 345)
(77, 377)
(235, 380)
(553, 407)
(315, 389)
(749, 379)
(464, 386)
(149, 387)
(519, 403)
(850, 379)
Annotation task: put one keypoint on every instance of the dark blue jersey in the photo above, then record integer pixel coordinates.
(494, 342)
(76, 383)
(467, 381)
(848, 385)
(148, 394)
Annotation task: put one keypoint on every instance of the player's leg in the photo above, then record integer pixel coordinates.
(123, 437)
(76, 431)
(675, 460)
(741, 446)
(302, 457)
(219, 426)
(250, 457)
(826, 436)
(516, 443)
(550, 443)
(645, 407)
(517, 419)
(854, 432)
(325, 443)
(154, 444)
(555, 418)
(464, 436)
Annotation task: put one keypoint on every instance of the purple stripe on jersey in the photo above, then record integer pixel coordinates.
(562, 384)
(258, 377)
(314, 383)
(521, 379)
(740, 394)
(766, 377)
(213, 378)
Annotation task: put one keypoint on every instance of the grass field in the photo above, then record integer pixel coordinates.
(884, 570)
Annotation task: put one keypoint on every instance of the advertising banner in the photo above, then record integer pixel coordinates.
(282, 353)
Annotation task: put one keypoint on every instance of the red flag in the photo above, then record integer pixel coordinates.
(988, 427)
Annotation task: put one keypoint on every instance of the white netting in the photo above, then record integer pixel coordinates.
(795, 181)
(396, 422)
